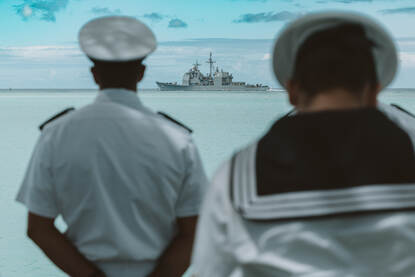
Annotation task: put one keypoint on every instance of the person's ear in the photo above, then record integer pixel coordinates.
(293, 93)
(371, 95)
(141, 71)
(95, 74)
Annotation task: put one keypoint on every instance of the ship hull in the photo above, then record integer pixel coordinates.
(175, 87)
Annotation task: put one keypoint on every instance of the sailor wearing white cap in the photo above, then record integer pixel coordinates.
(384, 52)
(330, 190)
(126, 180)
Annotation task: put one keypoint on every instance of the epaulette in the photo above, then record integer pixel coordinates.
(403, 110)
(56, 116)
(175, 121)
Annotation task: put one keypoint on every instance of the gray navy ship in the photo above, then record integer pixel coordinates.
(216, 80)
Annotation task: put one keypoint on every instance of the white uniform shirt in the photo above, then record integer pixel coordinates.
(227, 245)
(120, 175)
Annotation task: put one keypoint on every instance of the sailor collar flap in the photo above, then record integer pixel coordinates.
(267, 183)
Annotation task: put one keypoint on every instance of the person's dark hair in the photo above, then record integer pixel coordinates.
(339, 57)
(118, 74)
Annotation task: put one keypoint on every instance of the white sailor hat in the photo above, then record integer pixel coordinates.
(116, 39)
(295, 34)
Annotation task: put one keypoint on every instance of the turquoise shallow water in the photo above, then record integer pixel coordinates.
(223, 122)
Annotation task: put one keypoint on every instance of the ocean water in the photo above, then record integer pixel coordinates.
(223, 122)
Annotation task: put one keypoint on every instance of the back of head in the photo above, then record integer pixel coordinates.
(336, 58)
(118, 74)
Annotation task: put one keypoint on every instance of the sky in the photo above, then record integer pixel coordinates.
(39, 48)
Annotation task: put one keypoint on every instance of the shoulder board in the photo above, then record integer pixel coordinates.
(175, 121)
(402, 109)
(56, 116)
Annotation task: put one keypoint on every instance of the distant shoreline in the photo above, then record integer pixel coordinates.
(2, 90)
(150, 89)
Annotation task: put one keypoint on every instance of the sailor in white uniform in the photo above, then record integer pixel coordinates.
(126, 180)
(330, 190)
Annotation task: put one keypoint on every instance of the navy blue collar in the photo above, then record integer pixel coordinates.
(331, 150)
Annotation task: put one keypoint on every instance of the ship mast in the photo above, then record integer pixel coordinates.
(211, 62)
(196, 65)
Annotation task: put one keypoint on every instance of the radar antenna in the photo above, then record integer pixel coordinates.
(210, 62)
(196, 65)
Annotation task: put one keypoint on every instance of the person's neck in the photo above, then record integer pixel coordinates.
(336, 99)
(132, 87)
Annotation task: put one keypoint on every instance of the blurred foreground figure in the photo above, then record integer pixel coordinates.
(126, 180)
(328, 191)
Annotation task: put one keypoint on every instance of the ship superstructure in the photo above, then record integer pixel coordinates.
(216, 80)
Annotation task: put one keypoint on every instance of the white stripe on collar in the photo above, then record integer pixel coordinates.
(367, 198)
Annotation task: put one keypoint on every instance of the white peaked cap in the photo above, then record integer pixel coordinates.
(116, 39)
(295, 34)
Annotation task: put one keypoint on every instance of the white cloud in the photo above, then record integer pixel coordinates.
(27, 11)
(407, 59)
(266, 57)
(44, 9)
(406, 43)
(40, 52)
(105, 11)
(43, 66)
(52, 73)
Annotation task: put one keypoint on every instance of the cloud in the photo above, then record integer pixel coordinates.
(42, 66)
(405, 10)
(105, 11)
(40, 53)
(249, 0)
(353, 1)
(344, 1)
(27, 11)
(266, 57)
(406, 44)
(406, 39)
(177, 23)
(265, 17)
(155, 17)
(43, 9)
(407, 59)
